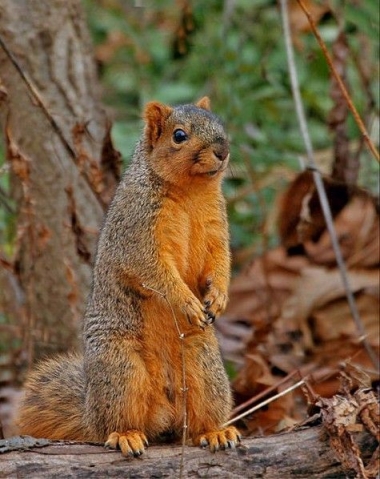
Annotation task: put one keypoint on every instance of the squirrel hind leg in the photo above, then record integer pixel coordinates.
(131, 443)
(227, 438)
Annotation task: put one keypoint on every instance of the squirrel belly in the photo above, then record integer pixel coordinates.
(160, 278)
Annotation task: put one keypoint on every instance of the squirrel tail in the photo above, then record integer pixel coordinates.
(53, 403)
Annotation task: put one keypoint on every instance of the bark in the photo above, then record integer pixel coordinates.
(58, 174)
(302, 454)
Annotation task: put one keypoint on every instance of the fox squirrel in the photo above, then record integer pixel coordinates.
(162, 266)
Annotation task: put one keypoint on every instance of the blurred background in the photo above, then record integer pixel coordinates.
(74, 77)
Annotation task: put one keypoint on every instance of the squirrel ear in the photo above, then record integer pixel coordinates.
(155, 115)
(204, 103)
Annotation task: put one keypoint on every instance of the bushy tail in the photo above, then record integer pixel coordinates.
(54, 400)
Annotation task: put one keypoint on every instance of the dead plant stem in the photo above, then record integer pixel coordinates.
(264, 393)
(339, 81)
(264, 403)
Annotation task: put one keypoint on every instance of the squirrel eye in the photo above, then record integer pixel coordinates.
(179, 136)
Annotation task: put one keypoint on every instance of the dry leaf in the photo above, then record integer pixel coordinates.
(293, 301)
(299, 22)
(318, 286)
(342, 417)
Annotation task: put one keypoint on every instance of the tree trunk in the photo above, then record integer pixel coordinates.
(55, 134)
(301, 454)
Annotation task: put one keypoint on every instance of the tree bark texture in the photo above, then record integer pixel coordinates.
(301, 454)
(57, 170)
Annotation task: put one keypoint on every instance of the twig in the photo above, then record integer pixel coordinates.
(184, 385)
(264, 403)
(320, 187)
(339, 81)
(263, 393)
(36, 95)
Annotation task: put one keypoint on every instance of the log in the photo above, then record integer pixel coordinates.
(303, 453)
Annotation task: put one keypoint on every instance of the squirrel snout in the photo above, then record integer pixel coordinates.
(221, 151)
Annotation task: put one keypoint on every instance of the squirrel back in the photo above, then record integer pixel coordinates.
(160, 278)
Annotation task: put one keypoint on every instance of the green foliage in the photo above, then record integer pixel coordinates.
(238, 58)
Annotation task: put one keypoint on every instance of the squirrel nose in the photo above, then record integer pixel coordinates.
(221, 151)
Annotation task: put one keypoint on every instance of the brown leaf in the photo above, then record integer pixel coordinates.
(256, 375)
(358, 228)
(338, 415)
(318, 286)
(271, 278)
(300, 217)
(369, 410)
(294, 301)
(337, 313)
(298, 21)
(275, 417)
(342, 417)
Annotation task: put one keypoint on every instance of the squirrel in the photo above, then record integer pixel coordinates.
(160, 277)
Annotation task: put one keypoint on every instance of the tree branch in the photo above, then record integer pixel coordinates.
(303, 454)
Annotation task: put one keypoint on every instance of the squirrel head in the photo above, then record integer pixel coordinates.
(185, 143)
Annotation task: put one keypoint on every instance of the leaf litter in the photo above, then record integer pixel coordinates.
(288, 316)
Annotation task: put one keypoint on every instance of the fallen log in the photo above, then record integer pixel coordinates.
(303, 453)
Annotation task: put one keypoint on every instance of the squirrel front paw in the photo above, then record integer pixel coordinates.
(196, 313)
(227, 438)
(215, 302)
(131, 443)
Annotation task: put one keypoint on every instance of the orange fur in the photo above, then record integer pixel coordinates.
(162, 259)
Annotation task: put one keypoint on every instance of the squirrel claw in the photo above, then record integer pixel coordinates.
(226, 438)
(196, 314)
(131, 443)
(215, 302)
(202, 323)
(231, 444)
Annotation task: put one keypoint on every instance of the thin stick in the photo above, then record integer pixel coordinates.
(321, 189)
(36, 95)
(184, 385)
(340, 83)
(263, 393)
(264, 403)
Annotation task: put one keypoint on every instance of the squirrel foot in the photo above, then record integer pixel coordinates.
(131, 443)
(226, 438)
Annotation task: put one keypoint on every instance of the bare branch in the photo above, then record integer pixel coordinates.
(265, 403)
(339, 81)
